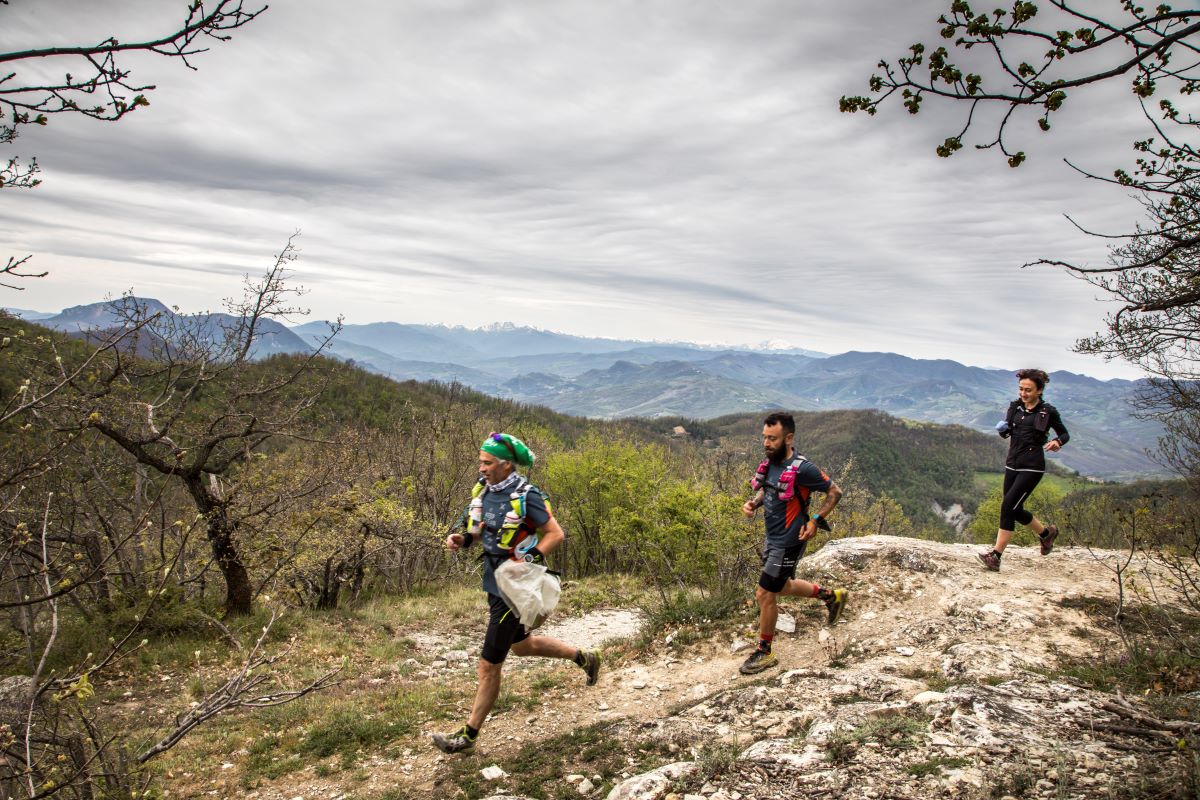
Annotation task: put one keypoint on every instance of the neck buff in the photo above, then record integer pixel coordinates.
(505, 484)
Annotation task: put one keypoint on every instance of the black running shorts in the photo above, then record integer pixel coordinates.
(503, 631)
(779, 565)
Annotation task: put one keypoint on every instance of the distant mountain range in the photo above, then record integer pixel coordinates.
(610, 378)
(619, 378)
(115, 314)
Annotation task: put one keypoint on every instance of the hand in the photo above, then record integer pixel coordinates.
(454, 541)
(748, 508)
(809, 530)
(1054, 445)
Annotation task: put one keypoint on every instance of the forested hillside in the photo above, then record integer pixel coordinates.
(916, 463)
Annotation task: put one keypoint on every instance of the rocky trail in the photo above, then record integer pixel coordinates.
(931, 685)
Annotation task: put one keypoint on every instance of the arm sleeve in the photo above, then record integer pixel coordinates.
(811, 476)
(1060, 430)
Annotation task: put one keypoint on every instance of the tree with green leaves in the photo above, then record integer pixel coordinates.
(194, 406)
(1030, 61)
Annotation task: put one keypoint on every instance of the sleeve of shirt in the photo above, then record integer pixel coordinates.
(810, 475)
(535, 509)
(1060, 430)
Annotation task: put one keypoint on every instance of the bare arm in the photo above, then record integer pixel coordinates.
(831, 500)
(550, 536)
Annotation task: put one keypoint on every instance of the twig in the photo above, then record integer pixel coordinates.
(235, 693)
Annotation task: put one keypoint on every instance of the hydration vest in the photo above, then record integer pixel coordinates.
(1041, 422)
(516, 528)
(786, 488)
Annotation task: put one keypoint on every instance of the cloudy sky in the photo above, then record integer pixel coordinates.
(660, 169)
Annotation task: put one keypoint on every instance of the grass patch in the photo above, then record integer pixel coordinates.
(935, 765)
(849, 699)
(984, 482)
(934, 680)
(840, 657)
(713, 761)
(173, 631)
(1157, 662)
(459, 606)
(894, 732)
(690, 615)
(583, 595)
(537, 769)
(1019, 780)
(327, 726)
(1142, 620)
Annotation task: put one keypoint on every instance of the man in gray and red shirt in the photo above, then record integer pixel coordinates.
(785, 482)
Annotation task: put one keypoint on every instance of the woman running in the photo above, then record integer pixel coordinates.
(1026, 426)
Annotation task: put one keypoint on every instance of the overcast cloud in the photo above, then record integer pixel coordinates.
(669, 170)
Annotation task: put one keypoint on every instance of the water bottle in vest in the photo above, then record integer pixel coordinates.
(475, 515)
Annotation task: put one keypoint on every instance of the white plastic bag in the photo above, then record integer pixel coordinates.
(530, 590)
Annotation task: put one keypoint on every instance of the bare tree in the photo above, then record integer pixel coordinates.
(189, 402)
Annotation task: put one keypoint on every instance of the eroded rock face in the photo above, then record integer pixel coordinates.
(935, 686)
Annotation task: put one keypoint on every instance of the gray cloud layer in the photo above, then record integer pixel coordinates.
(668, 169)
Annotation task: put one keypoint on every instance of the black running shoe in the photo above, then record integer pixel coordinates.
(591, 666)
(758, 661)
(835, 603)
(990, 559)
(458, 742)
(1048, 536)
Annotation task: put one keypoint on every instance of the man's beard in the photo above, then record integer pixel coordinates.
(777, 455)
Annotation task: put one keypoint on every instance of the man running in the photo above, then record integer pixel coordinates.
(505, 532)
(784, 483)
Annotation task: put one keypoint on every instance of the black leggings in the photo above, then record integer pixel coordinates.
(1017, 488)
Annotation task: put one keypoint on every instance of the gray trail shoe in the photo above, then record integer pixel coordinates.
(835, 603)
(758, 661)
(458, 742)
(591, 666)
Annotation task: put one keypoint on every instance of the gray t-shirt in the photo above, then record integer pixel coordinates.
(495, 506)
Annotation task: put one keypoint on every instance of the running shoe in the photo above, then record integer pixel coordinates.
(835, 603)
(591, 666)
(458, 742)
(1048, 536)
(990, 559)
(758, 661)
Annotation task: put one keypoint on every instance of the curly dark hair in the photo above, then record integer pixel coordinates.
(1038, 376)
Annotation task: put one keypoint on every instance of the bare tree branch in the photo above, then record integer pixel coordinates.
(239, 691)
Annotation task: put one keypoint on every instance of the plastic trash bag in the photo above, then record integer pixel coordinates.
(530, 590)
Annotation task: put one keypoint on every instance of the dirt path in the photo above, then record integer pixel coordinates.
(910, 606)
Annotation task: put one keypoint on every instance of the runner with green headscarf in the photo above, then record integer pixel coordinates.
(512, 519)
